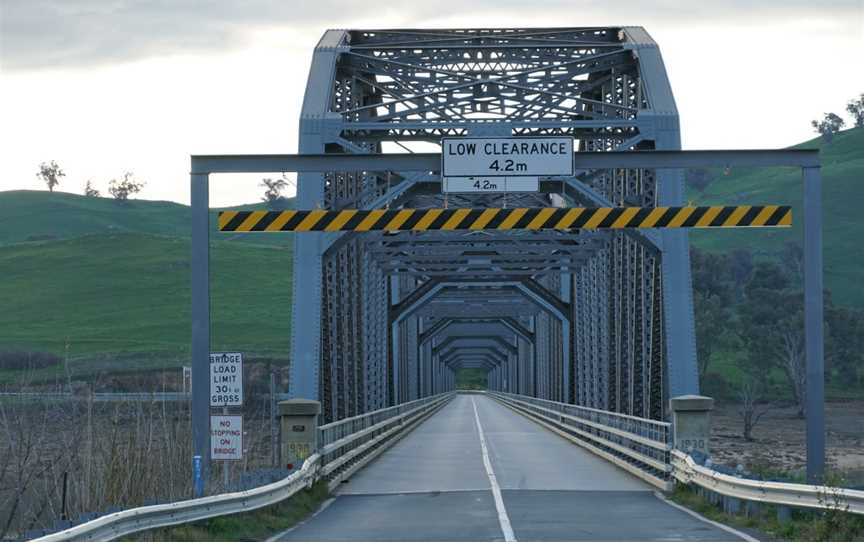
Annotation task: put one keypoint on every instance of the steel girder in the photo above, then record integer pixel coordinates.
(614, 326)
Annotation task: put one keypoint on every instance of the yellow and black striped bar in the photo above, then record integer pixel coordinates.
(520, 218)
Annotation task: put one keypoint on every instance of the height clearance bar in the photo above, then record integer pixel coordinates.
(520, 218)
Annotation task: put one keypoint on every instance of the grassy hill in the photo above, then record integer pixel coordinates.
(28, 215)
(112, 281)
(842, 177)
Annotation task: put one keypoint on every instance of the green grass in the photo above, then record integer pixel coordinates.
(27, 215)
(471, 379)
(842, 176)
(252, 526)
(126, 296)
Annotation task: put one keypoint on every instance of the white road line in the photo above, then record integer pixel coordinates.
(728, 529)
(506, 528)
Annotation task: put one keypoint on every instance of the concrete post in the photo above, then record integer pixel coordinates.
(299, 419)
(691, 422)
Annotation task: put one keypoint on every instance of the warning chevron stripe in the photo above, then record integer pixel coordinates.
(520, 218)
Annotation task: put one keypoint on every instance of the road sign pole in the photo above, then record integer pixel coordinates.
(813, 325)
(274, 442)
(200, 276)
(225, 464)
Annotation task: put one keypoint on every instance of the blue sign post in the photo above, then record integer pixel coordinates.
(197, 480)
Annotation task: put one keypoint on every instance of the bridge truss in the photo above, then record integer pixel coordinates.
(599, 318)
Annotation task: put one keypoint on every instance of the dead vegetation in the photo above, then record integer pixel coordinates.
(111, 455)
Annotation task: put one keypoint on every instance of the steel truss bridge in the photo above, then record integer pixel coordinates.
(597, 318)
(588, 317)
(582, 322)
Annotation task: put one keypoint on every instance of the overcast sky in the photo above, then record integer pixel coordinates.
(107, 86)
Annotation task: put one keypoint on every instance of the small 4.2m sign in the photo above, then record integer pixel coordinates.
(489, 184)
(506, 156)
(226, 379)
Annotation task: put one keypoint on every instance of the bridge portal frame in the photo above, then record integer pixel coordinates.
(807, 160)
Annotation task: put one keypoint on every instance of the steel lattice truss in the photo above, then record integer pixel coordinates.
(599, 318)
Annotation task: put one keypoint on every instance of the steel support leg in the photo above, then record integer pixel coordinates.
(306, 319)
(394, 343)
(200, 275)
(813, 325)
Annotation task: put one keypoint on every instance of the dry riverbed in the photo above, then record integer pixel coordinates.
(779, 439)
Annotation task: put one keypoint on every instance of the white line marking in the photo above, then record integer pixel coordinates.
(700, 517)
(506, 528)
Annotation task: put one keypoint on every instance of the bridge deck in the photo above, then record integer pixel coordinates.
(433, 485)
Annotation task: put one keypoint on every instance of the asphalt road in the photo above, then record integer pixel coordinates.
(434, 485)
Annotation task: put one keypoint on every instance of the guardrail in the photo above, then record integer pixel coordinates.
(687, 471)
(644, 448)
(345, 447)
(112, 526)
(638, 445)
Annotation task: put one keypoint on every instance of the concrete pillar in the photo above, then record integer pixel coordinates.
(299, 419)
(691, 422)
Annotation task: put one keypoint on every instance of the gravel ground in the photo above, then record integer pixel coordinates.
(779, 439)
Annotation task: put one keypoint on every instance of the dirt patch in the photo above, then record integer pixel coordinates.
(779, 439)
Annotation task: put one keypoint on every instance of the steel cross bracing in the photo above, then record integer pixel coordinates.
(609, 314)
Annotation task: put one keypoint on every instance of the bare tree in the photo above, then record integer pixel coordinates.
(791, 354)
(751, 410)
(50, 173)
(828, 126)
(121, 190)
(89, 191)
(273, 193)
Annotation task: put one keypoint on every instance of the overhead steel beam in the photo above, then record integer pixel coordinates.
(451, 339)
(519, 329)
(270, 163)
(510, 323)
(490, 349)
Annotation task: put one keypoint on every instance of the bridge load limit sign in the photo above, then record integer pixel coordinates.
(226, 438)
(506, 157)
(226, 379)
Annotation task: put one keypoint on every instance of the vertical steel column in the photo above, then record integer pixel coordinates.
(309, 249)
(566, 336)
(394, 343)
(813, 324)
(306, 316)
(200, 275)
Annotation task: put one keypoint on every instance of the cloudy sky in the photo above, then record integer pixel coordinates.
(107, 86)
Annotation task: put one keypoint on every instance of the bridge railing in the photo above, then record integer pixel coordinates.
(638, 445)
(349, 444)
(645, 448)
(344, 447)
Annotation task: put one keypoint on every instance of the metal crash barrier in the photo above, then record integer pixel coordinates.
(345, 447)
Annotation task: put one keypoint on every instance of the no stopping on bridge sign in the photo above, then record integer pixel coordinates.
(226, 438)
